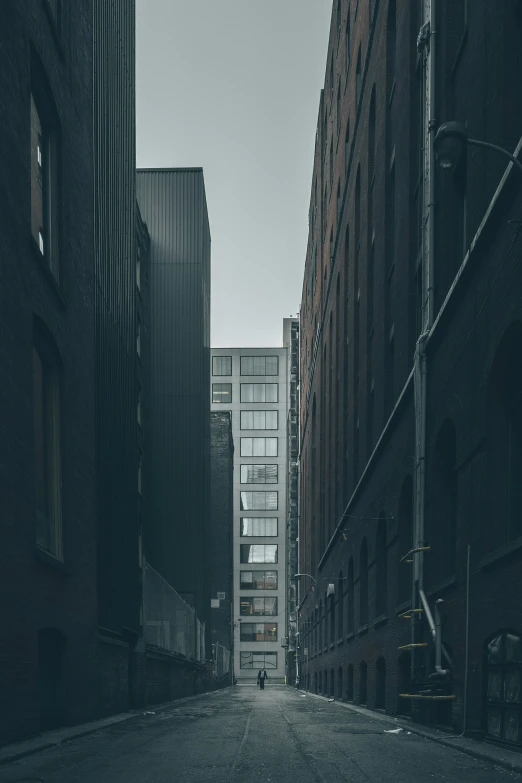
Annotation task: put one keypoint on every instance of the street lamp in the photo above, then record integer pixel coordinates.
(450, 145)
(298, 576)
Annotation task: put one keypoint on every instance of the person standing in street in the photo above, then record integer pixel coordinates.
(261, 677)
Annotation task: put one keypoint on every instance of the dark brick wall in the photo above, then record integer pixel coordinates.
(471, 86)
(37, 593)
(220, 531)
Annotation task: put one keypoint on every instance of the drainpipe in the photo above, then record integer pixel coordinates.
(435, 634)
(426, 41)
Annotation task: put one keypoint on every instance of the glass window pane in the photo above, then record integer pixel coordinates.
(246, 526)
(259, 526)
(511, 726)
(259, 365)
(247, 579)
(258, 580)
(494, 686)
(259, 420)
(271, 447)
(246, 660)
(270, 606)
(271, 527)
(513, 648)
(512, 686)
(270, 553)
(247, 392)
(272, 367)
(271, 420)
(271, 392)
(246, 447)
(258, 447)
(247, 420)
(221, 392)
(259, 392)
(259, 605)
(271, 501)
(495, 650)
(494, 723)
(247, 365)
(271, 474)
(246, 606)
(271, 632)
(270, 661)
(270, 580)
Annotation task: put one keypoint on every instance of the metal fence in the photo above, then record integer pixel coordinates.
(168, 621)
(221, 657)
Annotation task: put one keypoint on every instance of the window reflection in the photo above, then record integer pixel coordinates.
(259, 365)
(258, 632)
(221, 365)
(258, 606)
(259, 420)
(258, 553)
(259, 526)
(259, 392)
(258, 501)
(259, 447)
(222, 392)
(256, 661)
(259, 474)
(258, 580)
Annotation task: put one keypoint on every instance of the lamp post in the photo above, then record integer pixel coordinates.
(450, 144)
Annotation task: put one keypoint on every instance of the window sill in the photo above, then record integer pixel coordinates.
(44, 266)
(445, 584)
(350, 636)
(499, 554)
(51, 560)
(339, 641)
(332, 646)
(381, 620)
(362, 629)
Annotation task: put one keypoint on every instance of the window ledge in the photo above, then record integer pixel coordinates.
(350, 636)
(499, 554)
(332, 645)
(340, 641)
(381, 620)
(451, 581)
(362, 629)
(51, 560)
(58, 291)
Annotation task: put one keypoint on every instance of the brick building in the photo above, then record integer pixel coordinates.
(397, 250)
(47, 359)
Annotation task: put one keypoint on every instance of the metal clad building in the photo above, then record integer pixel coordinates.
(173, 204)
(115, 313)
(252, 384)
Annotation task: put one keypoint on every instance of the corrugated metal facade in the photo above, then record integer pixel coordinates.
(115, 306)
(173, 204)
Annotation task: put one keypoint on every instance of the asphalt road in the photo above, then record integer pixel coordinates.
(244, 735)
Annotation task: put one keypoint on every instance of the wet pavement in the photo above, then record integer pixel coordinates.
(245, 735)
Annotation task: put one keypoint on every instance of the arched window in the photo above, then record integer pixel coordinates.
(503, 656)
(381, 557)
(504, 516)
(380, 683)
(340, 606)
(363, 584)
(363, 683)
(351, 598)
(441, 507)
(349, 684)
(405, 538)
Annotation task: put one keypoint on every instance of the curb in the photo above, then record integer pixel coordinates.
(449, 741)
(17, 751)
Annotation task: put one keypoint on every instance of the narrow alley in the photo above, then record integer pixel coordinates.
(246, 735)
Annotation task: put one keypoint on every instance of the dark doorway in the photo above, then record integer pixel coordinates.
(380, 684)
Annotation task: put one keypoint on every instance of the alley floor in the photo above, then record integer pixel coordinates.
(246, 735)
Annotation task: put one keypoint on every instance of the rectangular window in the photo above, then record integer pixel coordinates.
(258, 580)
(259, 447)
(221, 365)
(258, 632)
(259, 526)
(258, 553)
(258, 660)
(260, 607)
(47, 455)
(259, 392)
(222, 392)
(259, 474)
(44, 189)
(258, 501)
(259, 365)
(259, 420)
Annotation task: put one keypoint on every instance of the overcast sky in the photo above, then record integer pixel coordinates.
(233, 86)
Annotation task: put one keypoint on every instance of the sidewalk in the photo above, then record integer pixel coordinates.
(50, 739)
(497, 755)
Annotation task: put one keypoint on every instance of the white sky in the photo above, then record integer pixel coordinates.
(233, 86)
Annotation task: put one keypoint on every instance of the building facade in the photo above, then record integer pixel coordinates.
(173, 204)
(47, 364)
(220, 565)
(251, 383)
(409, 328)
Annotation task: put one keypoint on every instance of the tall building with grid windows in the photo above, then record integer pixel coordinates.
(252, 384)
